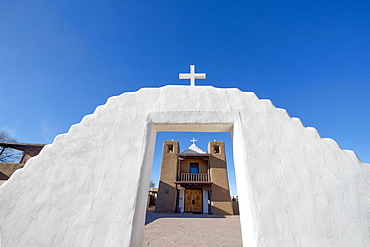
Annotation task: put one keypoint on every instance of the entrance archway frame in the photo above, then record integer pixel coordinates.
(89, 187)
(198, 122)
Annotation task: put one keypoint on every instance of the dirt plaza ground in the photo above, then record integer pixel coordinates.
(190, 229)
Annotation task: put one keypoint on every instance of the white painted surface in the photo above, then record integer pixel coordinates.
(182, 200)
(205, 201)
(90, 189)
(194, 149)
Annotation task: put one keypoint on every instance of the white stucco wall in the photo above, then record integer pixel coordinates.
(89, 188)
(205, 201)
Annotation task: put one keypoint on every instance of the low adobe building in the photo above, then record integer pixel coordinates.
(29, 150)
(194, 181)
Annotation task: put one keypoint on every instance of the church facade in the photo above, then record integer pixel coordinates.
(194, 180)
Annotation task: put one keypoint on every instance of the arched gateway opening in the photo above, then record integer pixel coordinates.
(158, 122)
(186, 153)
(194, 192)
(89, 188)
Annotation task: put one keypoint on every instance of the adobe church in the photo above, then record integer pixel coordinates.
(193, 180)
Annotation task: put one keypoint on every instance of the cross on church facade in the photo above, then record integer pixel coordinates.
(192, 75)
(193, 141)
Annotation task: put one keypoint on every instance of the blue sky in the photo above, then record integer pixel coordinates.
(59, 60)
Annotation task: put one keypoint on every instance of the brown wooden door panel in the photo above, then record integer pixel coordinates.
(193, 200)
(197, 206)
(188, 201)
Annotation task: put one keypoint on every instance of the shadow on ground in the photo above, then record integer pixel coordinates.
(152, 216)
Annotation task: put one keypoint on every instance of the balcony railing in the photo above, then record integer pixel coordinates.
(194, 177)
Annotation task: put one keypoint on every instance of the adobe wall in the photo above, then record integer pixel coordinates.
(185, 165)
(221, 201)
(89, 188)
(167, 192)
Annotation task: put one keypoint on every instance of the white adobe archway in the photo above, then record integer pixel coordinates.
(89, 187)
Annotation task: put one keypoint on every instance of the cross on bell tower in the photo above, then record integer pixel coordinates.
(192, 75)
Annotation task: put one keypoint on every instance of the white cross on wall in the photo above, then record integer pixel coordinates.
(193, 140)
(192, 75)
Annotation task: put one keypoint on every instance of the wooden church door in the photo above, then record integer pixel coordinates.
(193, 201)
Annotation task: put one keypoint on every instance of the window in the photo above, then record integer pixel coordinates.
(169, 148)
(194, 168)
(217, 149)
